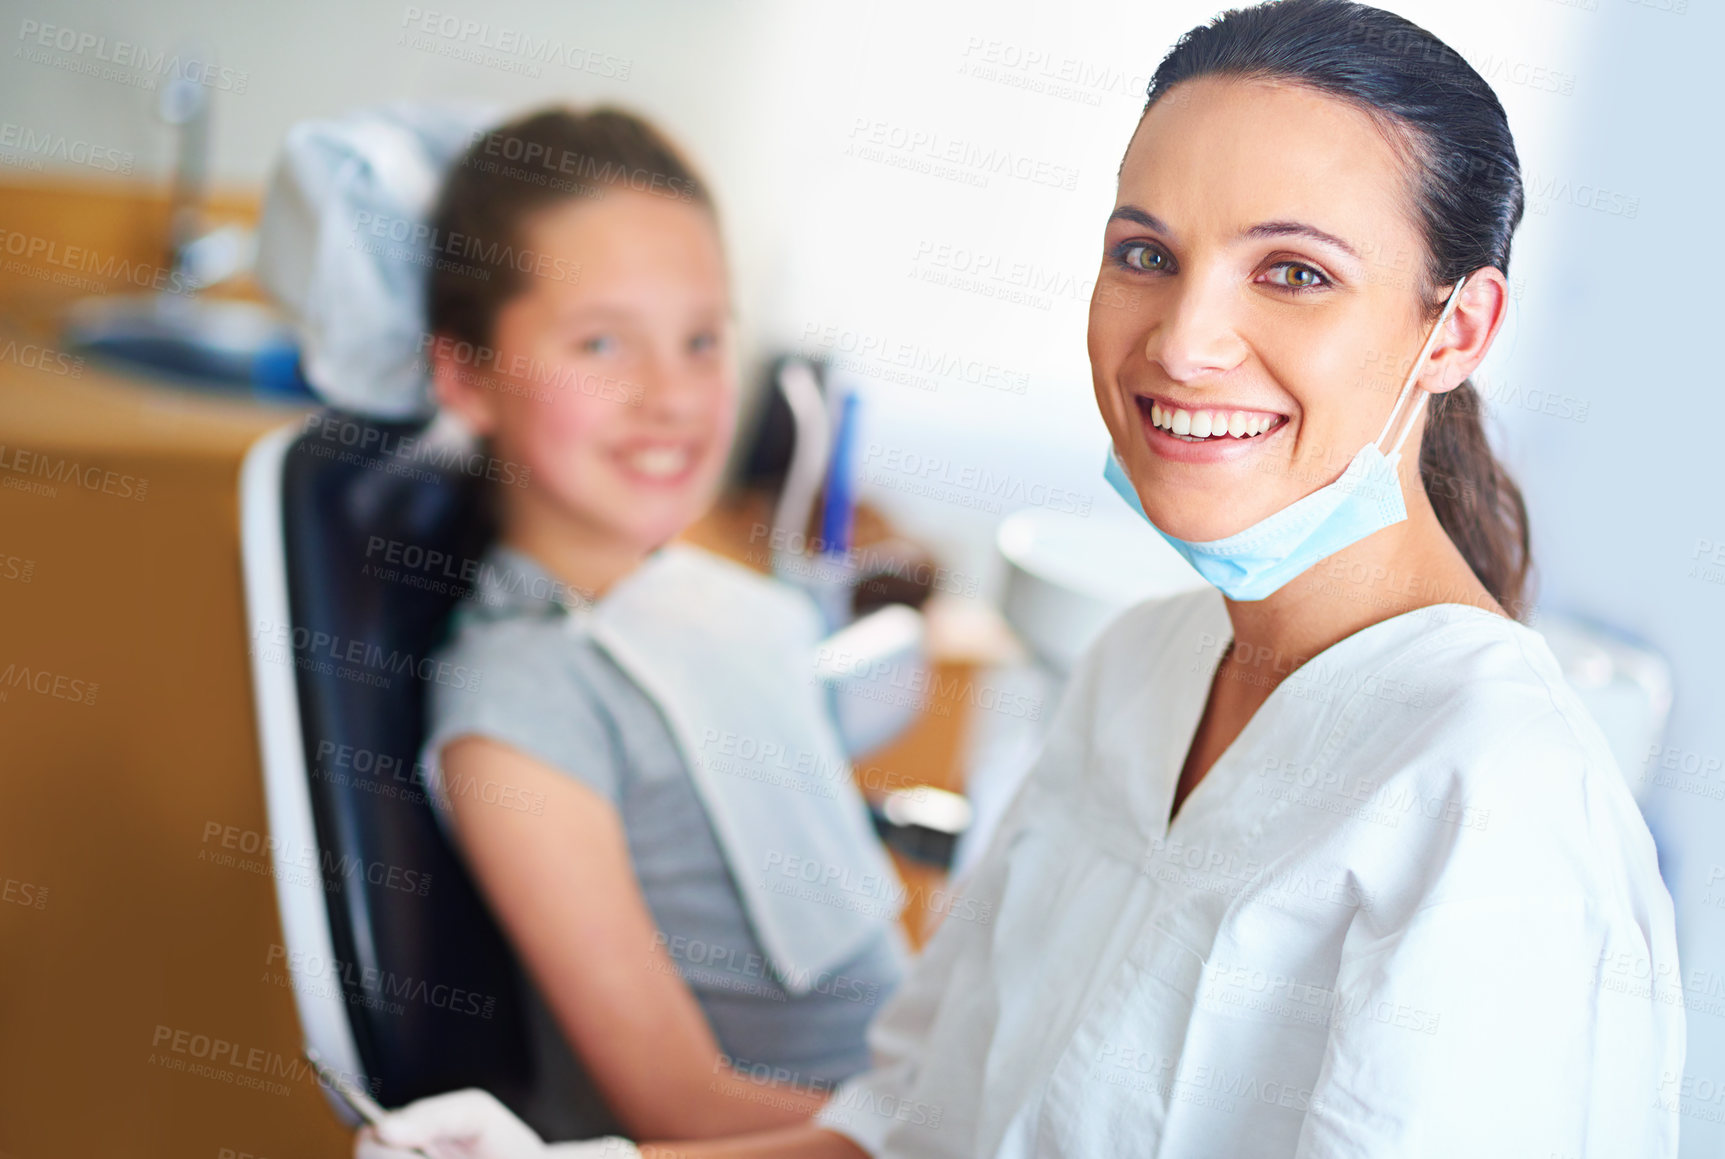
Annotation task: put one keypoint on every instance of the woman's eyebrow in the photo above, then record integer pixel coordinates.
(1138, 216)
(1299, 229)
(1262, 230)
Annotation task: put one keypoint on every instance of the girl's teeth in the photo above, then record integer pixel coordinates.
(658, 463)
(1205, 424)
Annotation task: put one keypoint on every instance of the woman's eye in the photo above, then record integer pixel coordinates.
(1138, 256)
(1296, 276)
(599, 344)
(703, 343)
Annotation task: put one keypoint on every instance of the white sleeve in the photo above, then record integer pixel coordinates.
(929, 1041)
(923, 1096)
(867, 1107)
(1489, 1028)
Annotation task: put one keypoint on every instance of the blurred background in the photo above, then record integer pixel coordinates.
(853, 150)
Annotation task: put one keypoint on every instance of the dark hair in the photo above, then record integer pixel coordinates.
(509, 174)
(1466, 190)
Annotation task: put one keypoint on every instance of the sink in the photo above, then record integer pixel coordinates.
(217, 346)
(1066, 578)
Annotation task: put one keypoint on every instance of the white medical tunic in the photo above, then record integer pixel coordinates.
(1411, 911)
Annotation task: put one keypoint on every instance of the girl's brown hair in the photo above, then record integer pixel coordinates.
(509, 174)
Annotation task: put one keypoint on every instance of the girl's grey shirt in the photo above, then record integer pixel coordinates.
(556, 696)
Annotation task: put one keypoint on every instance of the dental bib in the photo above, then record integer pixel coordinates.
(729, 662)
(1367, 497)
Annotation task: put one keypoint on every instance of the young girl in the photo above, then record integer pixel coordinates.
(676, 882)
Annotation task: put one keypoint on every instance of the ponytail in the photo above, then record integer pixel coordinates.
(1477, 503)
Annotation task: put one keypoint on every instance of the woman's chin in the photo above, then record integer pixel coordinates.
(1184, 527)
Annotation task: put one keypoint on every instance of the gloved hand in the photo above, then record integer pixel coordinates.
(472, 1124)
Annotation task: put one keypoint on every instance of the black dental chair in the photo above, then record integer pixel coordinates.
(357, 536)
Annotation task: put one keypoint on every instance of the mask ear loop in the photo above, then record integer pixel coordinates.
(1425, 352)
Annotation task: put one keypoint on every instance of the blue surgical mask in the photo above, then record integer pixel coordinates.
(1251, 564)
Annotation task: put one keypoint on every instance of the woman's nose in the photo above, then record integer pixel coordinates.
(1192, 330)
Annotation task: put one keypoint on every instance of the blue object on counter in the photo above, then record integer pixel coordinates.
(277, 373)
(220, 346)
(837, 515)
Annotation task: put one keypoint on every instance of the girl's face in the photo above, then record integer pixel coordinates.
(1258, 305)
(613, 379)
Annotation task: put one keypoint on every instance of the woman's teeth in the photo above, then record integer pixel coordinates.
(658, 462)
(1208, 424)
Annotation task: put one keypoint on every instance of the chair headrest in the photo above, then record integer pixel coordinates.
(345, 246)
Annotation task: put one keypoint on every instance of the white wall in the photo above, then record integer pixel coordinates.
(701, 70)
(824, 128)
(1624, 316)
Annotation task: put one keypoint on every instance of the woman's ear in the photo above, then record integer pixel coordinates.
(1469, 332)
(460, 387)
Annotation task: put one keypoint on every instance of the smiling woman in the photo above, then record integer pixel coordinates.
(1330, 862)
(1342, 276)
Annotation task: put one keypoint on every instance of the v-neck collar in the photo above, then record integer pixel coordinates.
(1211, 631)
(1208, 635)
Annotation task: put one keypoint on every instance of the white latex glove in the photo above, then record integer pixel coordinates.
(472, 1124)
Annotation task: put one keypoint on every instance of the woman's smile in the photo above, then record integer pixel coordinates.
(1213, 433)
